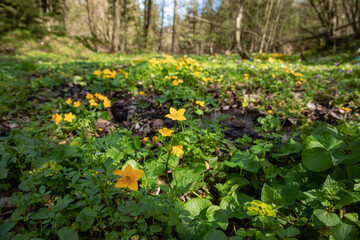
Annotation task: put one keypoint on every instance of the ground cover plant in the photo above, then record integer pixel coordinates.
(179, 147)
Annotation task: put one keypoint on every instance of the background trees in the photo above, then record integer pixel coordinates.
(189, 26)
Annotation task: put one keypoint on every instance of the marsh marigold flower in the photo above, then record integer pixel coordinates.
(165, 132)
(175, 83)
(56, 118)
(200, 103)
(77, 104)
(129, 177)
(346, 109)
(89, 96)
(155, 138)
(107, 103)
(176, 114)
(69, 117)
(69, 101)
(97, 73)
(93, 102)
(178, 150)
(141, 93)
(145, 139)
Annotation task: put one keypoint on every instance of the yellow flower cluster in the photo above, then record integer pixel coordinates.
(126, 74)
(107, 73)
(68, 117)
(75, 104)
(175, 81)
(137, 61)
(98, 96)
(259, 208)
(246, 75)
(181, 63)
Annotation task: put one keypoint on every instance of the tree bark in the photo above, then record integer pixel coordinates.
(64, 10)
(263, 37)
(148, 21)
(126, 19)
(162, 24)
(91, 25)
(239, 48)
(116, 25)
(174, 29)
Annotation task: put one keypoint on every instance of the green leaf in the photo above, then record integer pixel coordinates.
(292, 232)
(67, 233)
(218, 216)
(329, 219)
(244, 160)
(86, 218)
(288, 148)
(342, 231)
(214, 234)
(196, 205)
(316, 159)
(115, 154)
(155, 229)
(270, 196)
(290, 192)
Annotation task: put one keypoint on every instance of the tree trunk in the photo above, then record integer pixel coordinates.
(64, 14)
(148, 21)
(238, 30)
(116, 25)
(126, 19)
(91, 25)
(162, 24)
(174, 29)
(263, 37)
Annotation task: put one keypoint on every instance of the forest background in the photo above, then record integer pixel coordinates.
(185, 26)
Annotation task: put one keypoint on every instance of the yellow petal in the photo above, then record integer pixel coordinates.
(169, 116)
(120, 184)
(181, 111)
(118, 172)
(138, 174)
(173, 111)
(128, 168)
(133, 186)
(181, 118)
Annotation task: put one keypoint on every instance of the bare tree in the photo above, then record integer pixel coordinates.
(162, 24)
(264, 34)
(116, 26)
(239, 17)
(148, 20)
(174, 28)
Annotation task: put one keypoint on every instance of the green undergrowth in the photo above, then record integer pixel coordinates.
(296, 177)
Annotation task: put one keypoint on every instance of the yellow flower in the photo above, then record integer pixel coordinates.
(246, 75)
(56, 118)
(176, 114)
(100, 96)
(145, 139)
(200, 103)
(97, 73)
(180, 81)
(89, 96)
(175, 83)
(174, 77)
(77, 104)
(346, 109)
(92, 102)
(165, 132)
(155, 138)
(177, 150)
(273, 75)
(141, 93)
(196, 74)
(205, 79)
(129, 177)
(69, 117)
(69, 101)
(107, 103)
(298, 83)
(107, 71)
(270, 111)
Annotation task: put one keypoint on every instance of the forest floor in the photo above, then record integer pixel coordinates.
(211, 147)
